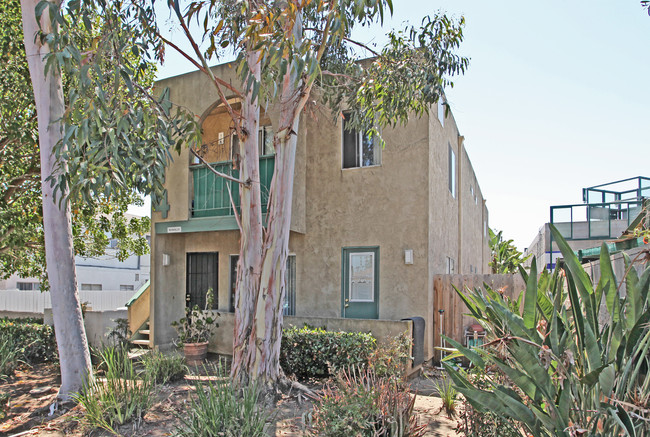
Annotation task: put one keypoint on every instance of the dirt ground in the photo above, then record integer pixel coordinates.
(33, 391)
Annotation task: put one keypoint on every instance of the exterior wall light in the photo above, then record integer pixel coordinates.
(408, 256)
(165, 259)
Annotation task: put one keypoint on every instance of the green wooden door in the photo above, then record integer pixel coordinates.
(360, 283)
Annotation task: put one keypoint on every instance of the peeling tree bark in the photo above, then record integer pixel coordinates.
(262, 266)
(250, 253)
(69, 328)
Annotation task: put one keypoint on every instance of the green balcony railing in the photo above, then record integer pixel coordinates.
(210, 194)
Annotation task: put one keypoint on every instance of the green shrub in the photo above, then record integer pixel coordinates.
(8, 356)
(474, 423)
(222, 409)
(160, 368)
(574, 359)
(362, 404)
(390, 358)
(315, 352)
(36, 341)
(120, 396)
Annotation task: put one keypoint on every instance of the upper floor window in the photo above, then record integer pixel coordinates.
(359, 148)
(452, 171)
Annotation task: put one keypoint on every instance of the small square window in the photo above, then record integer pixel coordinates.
(126, 287)
(359, 148)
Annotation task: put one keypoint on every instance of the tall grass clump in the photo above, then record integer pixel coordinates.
(161, 368)
(120, 396)
(8, 356)
(221, 408)
(448, 395)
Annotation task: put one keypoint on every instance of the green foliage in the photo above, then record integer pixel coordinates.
(161, 369)
(363, 404)
(120, 334)
(472, 422)
(504, 258)
(448, 395)
(197, 326)
(315, 352)
(220, 408)
(120, 396)
(34, 341)
(390, 358)
(95, 219)
(575, 359)
(8, 356)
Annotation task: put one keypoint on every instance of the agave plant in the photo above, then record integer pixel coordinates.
(574, 360)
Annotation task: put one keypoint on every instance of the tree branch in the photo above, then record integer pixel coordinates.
(351, 41)
(218, 173)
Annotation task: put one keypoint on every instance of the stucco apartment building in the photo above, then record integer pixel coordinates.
(369, 229)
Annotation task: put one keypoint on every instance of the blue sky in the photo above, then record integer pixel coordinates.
(556, 98)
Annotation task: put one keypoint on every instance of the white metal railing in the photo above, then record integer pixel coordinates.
(36, 301)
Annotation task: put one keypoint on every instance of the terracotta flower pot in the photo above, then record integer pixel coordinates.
(195, 353)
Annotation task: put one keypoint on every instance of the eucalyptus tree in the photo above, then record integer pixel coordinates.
(79, 139)
(288, 54)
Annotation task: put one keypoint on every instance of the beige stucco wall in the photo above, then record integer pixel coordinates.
(403, 203)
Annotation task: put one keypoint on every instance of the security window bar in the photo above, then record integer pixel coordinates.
(359, 148)
(202, 274)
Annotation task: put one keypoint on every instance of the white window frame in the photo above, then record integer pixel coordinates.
(372, 277)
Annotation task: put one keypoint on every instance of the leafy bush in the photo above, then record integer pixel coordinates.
(315, 352)
(36, 342)
(120, 396)
(8, 356)
(120, 334)
(390, 358)
(160, 368)
(472, 422)
(363, 404)
(198, 325)
(564, 371)
(220, 408)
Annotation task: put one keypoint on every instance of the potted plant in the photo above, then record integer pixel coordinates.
(194, 330)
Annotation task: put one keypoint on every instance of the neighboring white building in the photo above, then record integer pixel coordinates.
(119, 279)
(605, 214)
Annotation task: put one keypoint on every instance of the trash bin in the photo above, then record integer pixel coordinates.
(418, 339)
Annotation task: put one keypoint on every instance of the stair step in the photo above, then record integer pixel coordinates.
(145, 332)
(141, 342)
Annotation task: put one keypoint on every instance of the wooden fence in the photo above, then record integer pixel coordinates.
(445, 297)
(36, 301)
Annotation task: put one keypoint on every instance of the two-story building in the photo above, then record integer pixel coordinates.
(369, 227)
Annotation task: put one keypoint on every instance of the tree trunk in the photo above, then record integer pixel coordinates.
(250, 254)
(261, 331)
(69, 328)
